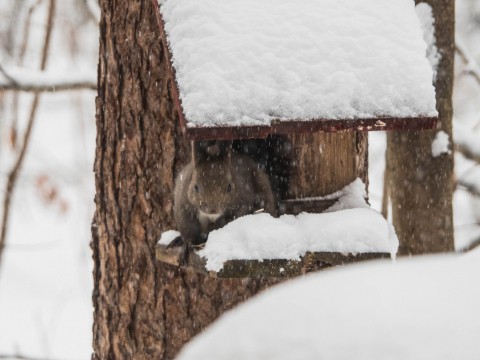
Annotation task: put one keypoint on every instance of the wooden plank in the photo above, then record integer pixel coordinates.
(321, 164)
(309, 126)
(268, 268)
(297, 206)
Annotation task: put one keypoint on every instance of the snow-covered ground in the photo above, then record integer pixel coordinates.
(45, 275)
(422, 308)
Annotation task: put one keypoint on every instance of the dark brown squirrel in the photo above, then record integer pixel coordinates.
(213, 190)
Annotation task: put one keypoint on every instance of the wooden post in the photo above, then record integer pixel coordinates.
(323, 163)
(421, 185)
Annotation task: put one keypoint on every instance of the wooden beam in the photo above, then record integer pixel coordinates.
(309, 126)
(268, 268)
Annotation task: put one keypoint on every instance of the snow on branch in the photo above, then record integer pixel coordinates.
(472, 66)
(21, 79)
(471, 188)
(466, 142)
(21, 357)
(467, 152)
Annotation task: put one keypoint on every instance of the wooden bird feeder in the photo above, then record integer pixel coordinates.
(316, 75)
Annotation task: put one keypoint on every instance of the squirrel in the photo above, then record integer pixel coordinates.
(214, 189)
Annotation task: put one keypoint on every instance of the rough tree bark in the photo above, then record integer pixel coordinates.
(139, 304)
(143, 309)
(420, 185)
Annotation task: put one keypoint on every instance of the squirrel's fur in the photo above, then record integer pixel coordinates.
(210, 192)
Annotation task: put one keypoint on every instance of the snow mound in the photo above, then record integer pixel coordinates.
(249, 62)
(168, 236)
(261, 236)
(441, 144)
(421, 308)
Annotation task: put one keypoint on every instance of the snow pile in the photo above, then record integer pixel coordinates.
(441, 144)
(427, 21)
(249, 62)
(261, 236)
(350, 197)
(425, 308)
(168, 236)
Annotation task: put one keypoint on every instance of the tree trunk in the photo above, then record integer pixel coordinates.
(144, 309)
(421, 186)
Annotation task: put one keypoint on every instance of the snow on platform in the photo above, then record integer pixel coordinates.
(261, 236)
(250, 62)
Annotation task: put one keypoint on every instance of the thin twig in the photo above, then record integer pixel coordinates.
(12, 177)
(8, 76)
(467, 153)
(22, 357)
(472, 66)
(40, 82)
(474, 244)
(26, 31)
(21, 57)
(60, 86)
(468, 187)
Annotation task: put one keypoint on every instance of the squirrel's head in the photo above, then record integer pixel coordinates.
(212, 188)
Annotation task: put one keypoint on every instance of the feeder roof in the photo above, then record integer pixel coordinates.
(265, 64)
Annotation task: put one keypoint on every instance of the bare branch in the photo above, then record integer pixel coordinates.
(7, 75)
(473, 245)
(467, 152)
(473, 190)
(472, 66)
(26, 31)
(60, 86)
(21, 357)
(12, 177)
(21, 79)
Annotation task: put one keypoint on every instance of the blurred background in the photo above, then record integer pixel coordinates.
(45, 268)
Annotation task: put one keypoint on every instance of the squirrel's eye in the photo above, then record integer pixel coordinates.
(229, 188)
(196, 188)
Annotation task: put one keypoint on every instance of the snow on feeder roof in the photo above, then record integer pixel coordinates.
(253, 67)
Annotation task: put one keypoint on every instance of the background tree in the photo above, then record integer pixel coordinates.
(421, 185)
